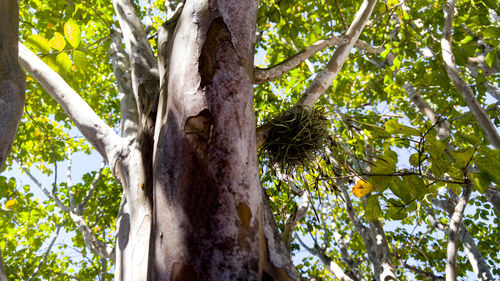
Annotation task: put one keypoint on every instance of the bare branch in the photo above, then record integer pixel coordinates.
(443, 126)
(480, 63)
(263, 75)
(98, 133)
(44, 258)
(292, 219)
(466, 92)
(91, 241)
(417, 270)
(79, 209)
(476, 259)
(45, 190)
(329, 264)
(324, 79)
(455, 221)
(69, 184)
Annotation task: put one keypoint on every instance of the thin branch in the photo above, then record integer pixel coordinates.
(81, 206)
(340, 14)
(98, 133)
(44, 258)
(460, 84)
(292, 219)
(417, 270)
(47, 193)
(263, 75)
(68, 180)
(455, 221)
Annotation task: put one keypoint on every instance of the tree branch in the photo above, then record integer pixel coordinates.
(455, 221)
(324, 79)
(476, 259)
(263, 75)
(443, 126)
(462, 87)
(417, 270)
(44, 258)
(493, 195)
(145, 81)
(329, 264)
(292, 219)
(98, 133)
(121, 68)
(80, 207)
(91, 241)
(69, 184)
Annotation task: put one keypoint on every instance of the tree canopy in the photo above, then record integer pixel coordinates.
(406, 179)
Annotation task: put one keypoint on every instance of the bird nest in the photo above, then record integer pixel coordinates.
(296, 137)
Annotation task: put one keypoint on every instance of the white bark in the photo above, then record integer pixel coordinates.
(462, 87)
(453, 234)
(476, 259)
(128, 106)
(294, 218)
(98, 133)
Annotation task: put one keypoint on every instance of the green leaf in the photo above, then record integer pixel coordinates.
(50, 60)
(38, 43)
(80, 59)
(372, 209)
(414, 159)
(392, 126)
(472, 139)
(72, 33)
(491, 58)
(57, 42)
(462, 157)
(401, 189)
(396, 210)
(480, 181)
(64, 62)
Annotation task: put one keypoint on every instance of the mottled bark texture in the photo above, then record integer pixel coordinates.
(12, 78)
(210, 218)
(12, 84)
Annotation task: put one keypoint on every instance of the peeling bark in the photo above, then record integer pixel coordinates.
(211, 221)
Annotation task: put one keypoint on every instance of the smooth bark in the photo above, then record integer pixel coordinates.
(453, 232)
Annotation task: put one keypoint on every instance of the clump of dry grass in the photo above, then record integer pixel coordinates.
(296, 137)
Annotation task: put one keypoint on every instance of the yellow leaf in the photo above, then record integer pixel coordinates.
(10, 203)
(362, 188)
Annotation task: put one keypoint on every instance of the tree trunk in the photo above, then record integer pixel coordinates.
(210, 218)
(12, 84)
